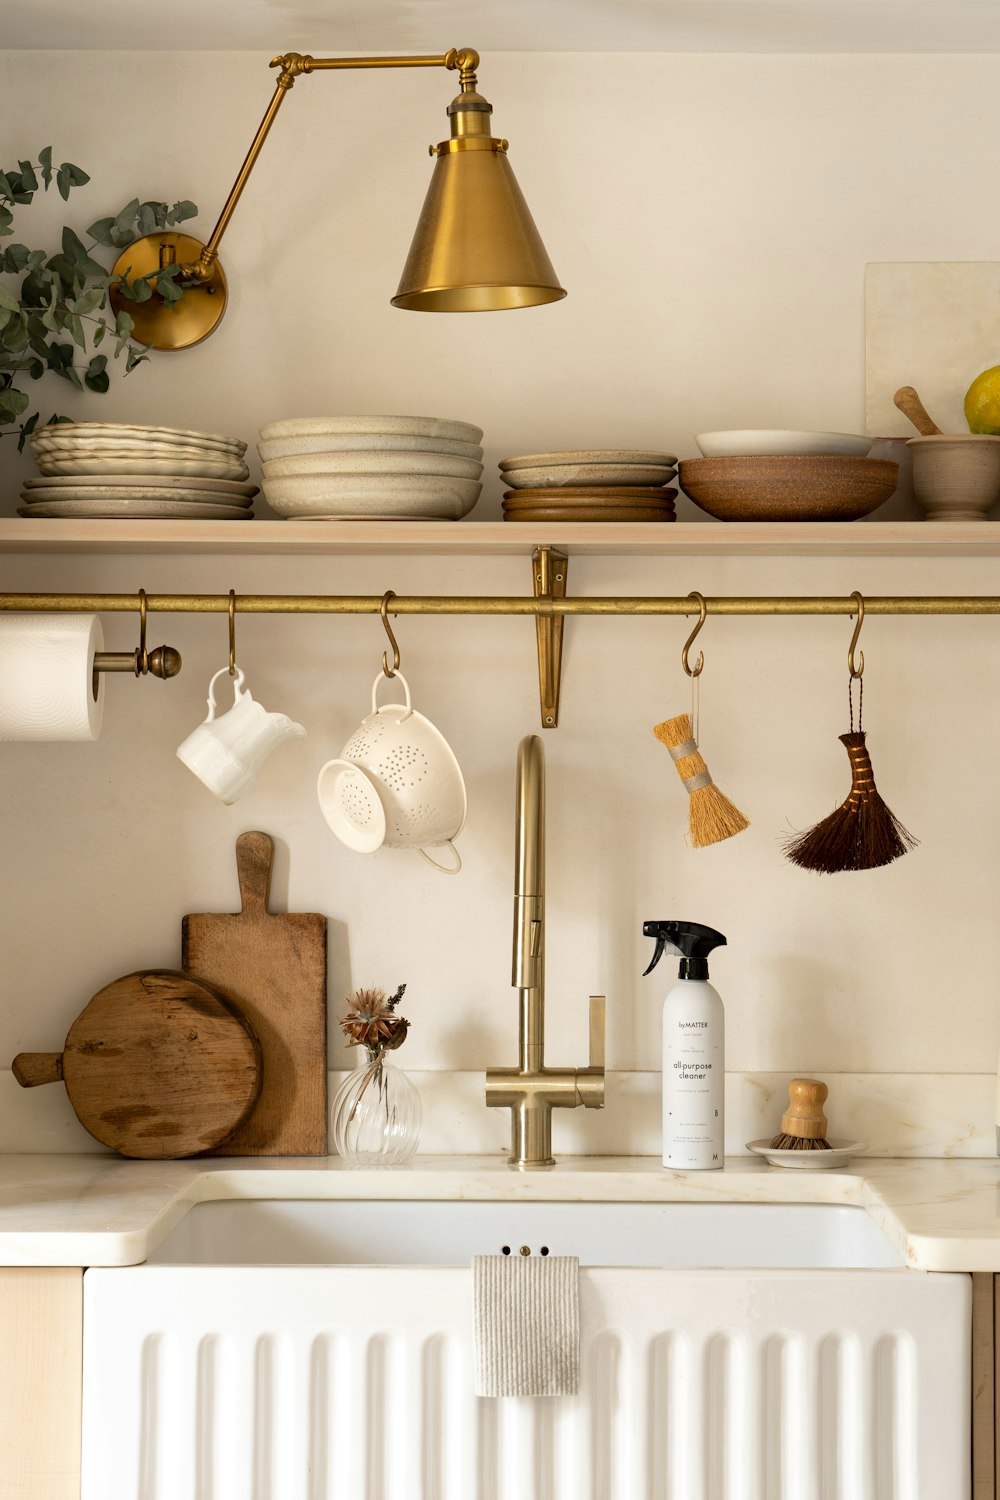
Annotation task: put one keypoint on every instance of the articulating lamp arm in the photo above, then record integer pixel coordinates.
(292, 64)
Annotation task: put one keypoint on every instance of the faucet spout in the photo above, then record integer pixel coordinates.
(531, 1090)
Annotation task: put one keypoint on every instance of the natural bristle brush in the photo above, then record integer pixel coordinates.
(863, 833)
(803, 1125)
(712, 816)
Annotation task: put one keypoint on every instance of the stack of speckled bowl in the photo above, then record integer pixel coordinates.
(106, 470)
(595, 484)
(371, 468)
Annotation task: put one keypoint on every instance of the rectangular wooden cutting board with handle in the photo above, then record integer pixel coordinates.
(273, 964)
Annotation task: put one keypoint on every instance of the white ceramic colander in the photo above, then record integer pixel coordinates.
(396, 782)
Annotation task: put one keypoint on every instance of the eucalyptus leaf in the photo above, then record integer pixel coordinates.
(101, 231)
(136, 356)
(6, 219)
(15, 258)
(28, 178)
(12, 403)
(8, 301)
(76, 175)
(45, 163)
(87, 302)
(96, 378)
(142, 291)
(99, 333)
(147, 219)
(75, 251)
(123, 324)
(7, 189)
(15, 336)
(75, 327)
(60, 357)
(169, 290)
(185, 209)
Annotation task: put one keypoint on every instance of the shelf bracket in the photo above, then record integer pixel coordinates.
(549, 568)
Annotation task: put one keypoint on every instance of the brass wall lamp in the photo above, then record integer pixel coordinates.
(476, 248)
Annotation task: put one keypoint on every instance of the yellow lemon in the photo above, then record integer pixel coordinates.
(982, 402)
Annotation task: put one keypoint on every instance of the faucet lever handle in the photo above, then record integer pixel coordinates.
(597, 1003)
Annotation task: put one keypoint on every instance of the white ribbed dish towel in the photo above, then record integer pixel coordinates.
(527, 1317)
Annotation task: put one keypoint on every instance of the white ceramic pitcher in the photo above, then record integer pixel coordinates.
(228, 751)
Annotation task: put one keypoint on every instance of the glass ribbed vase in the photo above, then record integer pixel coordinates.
(375, 1116)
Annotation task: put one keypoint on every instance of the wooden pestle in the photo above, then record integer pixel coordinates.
(912, 407)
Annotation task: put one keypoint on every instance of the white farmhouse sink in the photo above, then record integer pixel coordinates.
(317, 1350)
(671, 1235)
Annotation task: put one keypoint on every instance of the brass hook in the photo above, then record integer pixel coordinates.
(383, 610)
(695, 671)
(232, 632)
(141, 656)
(856, 668)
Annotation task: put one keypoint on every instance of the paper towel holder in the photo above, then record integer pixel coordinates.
(162, 661)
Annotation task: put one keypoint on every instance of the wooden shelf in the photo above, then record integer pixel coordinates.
(482, 538)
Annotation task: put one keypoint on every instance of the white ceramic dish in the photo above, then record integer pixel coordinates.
(136, 510)
(137, 431)
(120, 448)
(365, 462)
(142, 467)
(99, 493)
(443, 427)
(560, 476)
(839, 1155)
(329, 496)
(750, 442)
(589, 456)
(74, 483)
(350, 442)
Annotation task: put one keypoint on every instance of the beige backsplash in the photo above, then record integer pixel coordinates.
(897, 1114)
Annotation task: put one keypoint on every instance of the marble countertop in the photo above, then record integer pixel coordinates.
(942, 1215)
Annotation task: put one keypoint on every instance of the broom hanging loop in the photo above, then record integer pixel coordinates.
(695, 671)
(856, 668)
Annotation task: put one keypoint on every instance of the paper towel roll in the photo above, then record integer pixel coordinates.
(46, 677)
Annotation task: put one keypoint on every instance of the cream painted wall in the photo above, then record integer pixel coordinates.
(711, 217)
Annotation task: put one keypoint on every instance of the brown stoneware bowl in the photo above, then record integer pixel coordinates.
(792, 487)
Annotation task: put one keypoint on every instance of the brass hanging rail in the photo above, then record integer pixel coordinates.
(487, 604)
(549, 607)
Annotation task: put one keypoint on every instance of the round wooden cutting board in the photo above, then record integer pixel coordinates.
(158, 1065)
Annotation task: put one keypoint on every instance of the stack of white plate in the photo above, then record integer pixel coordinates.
(371, 468)
(109, 469)
(595, 484)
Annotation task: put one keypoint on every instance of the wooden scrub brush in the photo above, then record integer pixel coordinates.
(803, 1125)
(712, 816)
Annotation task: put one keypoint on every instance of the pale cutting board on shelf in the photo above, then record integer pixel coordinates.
(273, 964)
(929, 324)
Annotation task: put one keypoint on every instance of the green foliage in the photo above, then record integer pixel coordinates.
(52, 303)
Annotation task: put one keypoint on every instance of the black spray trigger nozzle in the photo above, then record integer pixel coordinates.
(655, 930)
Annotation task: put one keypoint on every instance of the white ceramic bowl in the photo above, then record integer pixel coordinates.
(558, 476)
(413, 497)
(367, 463)
(350, 442)
(442, 427)
(753, 441)
(588, 456)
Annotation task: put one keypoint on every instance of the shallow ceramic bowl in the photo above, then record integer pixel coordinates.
(443, 427)
(139, 433)
(619, 513)
(588, 456)
(349, 442)
(364, 462)
(789, 487)
(361, 497)
(584, 499)
(558, 476)
(764, 440)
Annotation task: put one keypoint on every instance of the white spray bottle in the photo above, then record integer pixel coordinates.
(694, 1049)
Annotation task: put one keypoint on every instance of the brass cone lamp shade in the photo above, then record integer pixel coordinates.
(476, 248)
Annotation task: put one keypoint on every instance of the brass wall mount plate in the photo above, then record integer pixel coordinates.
(184, 323)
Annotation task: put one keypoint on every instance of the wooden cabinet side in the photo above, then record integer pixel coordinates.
(41, 1382)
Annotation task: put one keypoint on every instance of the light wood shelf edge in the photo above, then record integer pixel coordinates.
(485, 538)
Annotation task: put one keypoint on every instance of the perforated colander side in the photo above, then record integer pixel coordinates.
(357, 802)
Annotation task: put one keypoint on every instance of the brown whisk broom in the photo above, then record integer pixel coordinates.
(863, 833)
(712, 817)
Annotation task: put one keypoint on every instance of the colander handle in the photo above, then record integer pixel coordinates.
(396, 677)
(445, 869)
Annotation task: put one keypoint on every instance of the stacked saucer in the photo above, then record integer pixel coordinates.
(596, 484)
(371, 468)
(108, 469)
